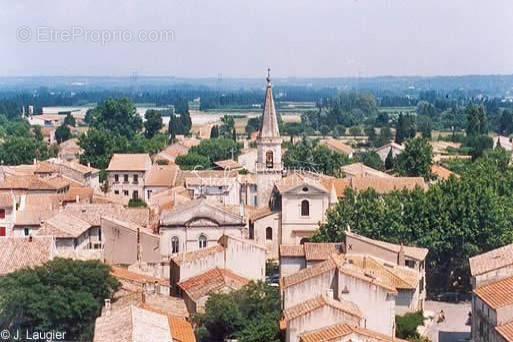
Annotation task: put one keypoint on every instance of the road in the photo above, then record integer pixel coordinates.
(454, 328)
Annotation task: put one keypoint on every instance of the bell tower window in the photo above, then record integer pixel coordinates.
(269, 159)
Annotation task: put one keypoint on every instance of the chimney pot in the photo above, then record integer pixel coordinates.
(107, 306)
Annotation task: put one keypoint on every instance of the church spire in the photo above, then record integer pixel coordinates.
(269, 126)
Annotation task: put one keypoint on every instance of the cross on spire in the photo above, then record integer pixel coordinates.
(268, 76)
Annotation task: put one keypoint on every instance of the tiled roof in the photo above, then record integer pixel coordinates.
(259, 213)
(506, 331)
(32, 217)
(336, 145)
(161, 175)
(497, 294)
(308, 273)
(45, 167)
(129, 162)
(181, 330)
(211, 281)
(64, 226)
(84, 193)
(197, 254)
(73, 165)
(292, 251)
(115, 327)
(397, 276)
(210, 181)
(296, 179)
(362, 170)
(391, 145)
(354, 271)
(335, 332)
(416, 253)
(228, 164)
(385, 185)
(321, 250)
(172, 151)
(20, 252)
(203, 174)
(442, 172)
(315, 303)
(491, 260)
(123, 273)
(93, 212)
(27, 182)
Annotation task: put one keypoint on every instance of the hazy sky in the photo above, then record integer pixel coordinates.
(240, 38)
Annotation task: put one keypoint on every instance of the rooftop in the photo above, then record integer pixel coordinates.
(315, 303)
(492, 260)
(498, 294)
(506, 331)
(129, 162)
(337, 145)
(360, 169)
(212, 281)
(64, 225)
(161, 175)
(308, 273)
(21, 252)
(337, 331)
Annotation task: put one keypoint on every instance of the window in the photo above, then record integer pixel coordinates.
(26, 231)
(175, 245)
(116, 192)
(125, 192)
(135, 195)
(305, 189)
(2, 231)
(125, 178)
(2, 213)
(269, 161)
(116, 178)
(305, 208)
(410, 263)
(268, 233)
(202, 241)
(136, 179)
(149, 194)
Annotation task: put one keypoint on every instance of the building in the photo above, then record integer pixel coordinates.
(492, 312)
(296, 257)
(362, 170)
(69, 150)
(491, 266)
(384, 150)
(343, 332)
(158, 179)
(83, 174)
(7, 213)
(126, 174)
(338, 146)
(197, 225)
(269, 166)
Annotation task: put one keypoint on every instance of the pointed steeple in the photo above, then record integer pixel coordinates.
(269, 126)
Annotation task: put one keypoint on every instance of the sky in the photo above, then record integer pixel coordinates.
(241, 38)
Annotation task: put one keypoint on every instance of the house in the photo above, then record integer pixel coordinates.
(140, 282)
(338, 146)
(126, 243)
(196, 225)
(239, 256)
(492, 311)
(126, 174)
(158, 179)
(343, 332)
(169, 154)
(247, 159)
(504, 142)
(228, 164)
(219, 186)
(83, 174)
(442, 173)
(69, 150)
(21, 252)
(385, 185)
(319, 312)
(362, 170)
(296, 257)
(52, 120)
(196, 290)
(348, 283)
(491, 266)
(384, 150)
(135, 324)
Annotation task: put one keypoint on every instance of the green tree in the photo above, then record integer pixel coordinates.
(214, 132)
(390, 160)
(324, 129)
(118, 116)
(193, 161)
(506, 122)
(370, 159)
(38, 135)
(63, 295)
(405, 128)
(99, 145)
(416, 159)
(70, 120)
(217, 149)
(476, 120)
(62, 133)
(153, 123)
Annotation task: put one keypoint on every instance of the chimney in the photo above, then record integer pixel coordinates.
(400, 256)
(35, 161)
(77, 198)
(329, 293)
(89, 164)
(107, 307)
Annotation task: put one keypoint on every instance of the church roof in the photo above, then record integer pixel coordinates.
(269, 126)
(200, 209)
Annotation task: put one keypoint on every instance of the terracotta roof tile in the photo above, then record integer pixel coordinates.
(337, 146)
(334, 332)
(228, 164)
(385, 185)
(198, 254)
(21, 252)
(362, 170)
(492, 260)
(442, 172)
(129, 162)
(161, 175)
(506, 331)
(308, 273)
(292, 251)
(123, 273)
(64, 226)
(211, 281)
(315, 303)
(181, 330)
(321, 250)
(497, 294)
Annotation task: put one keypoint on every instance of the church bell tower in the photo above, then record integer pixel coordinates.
(269, 167)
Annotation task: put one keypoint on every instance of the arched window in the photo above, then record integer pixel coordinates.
(269, 159)
(175, 244)
(268, 233)
(202, 241)
(305, 208)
